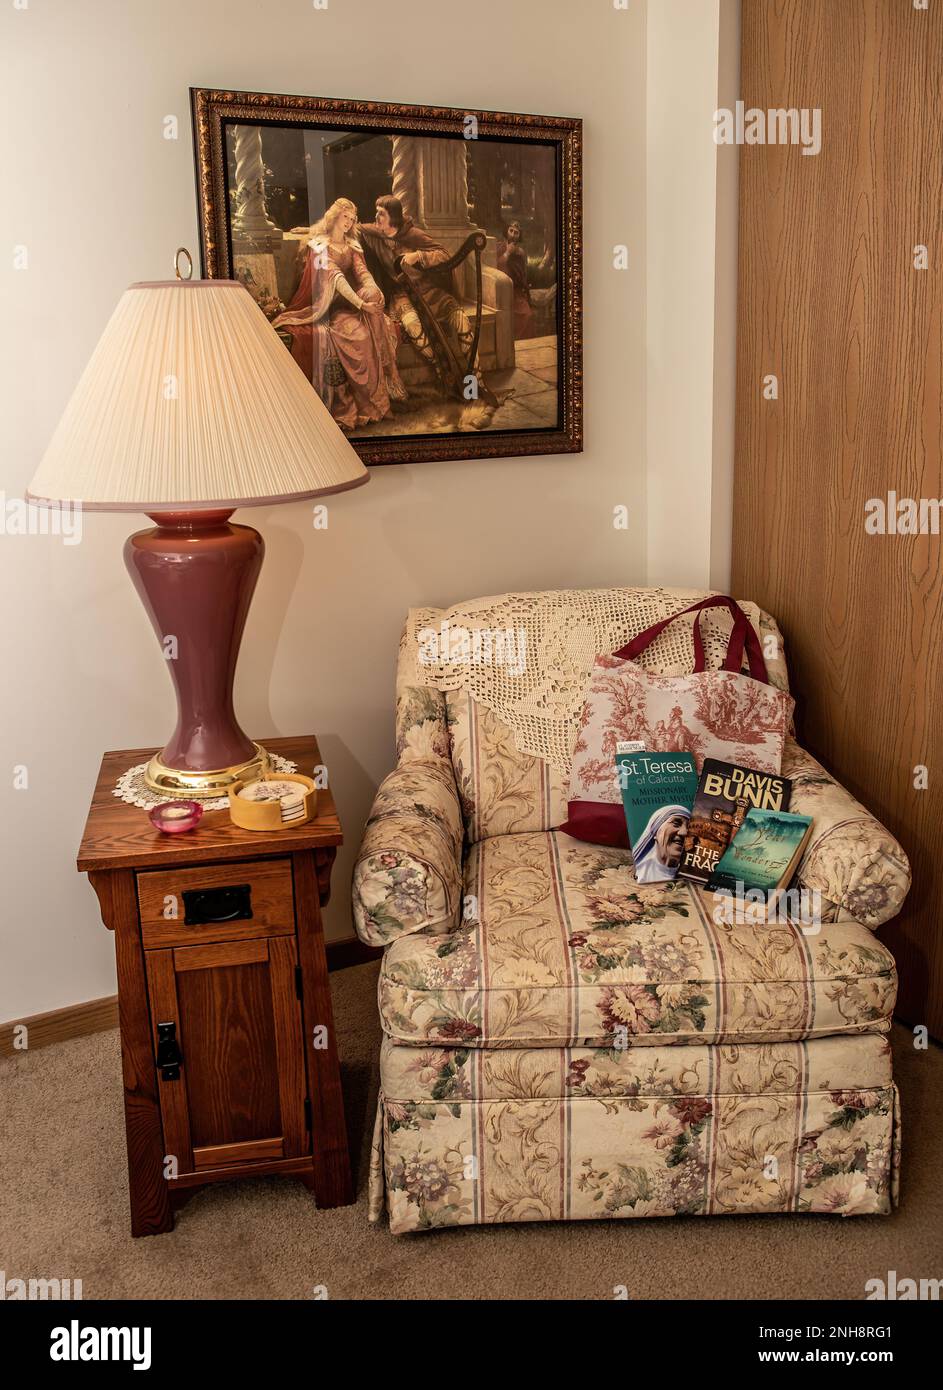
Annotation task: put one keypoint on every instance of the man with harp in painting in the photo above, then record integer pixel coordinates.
(415, 273)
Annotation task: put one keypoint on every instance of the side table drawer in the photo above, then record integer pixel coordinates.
(222, 902)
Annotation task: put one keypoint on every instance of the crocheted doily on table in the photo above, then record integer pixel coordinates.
(131, 787)
(564, 630)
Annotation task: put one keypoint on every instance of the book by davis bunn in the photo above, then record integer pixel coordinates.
(725, 792)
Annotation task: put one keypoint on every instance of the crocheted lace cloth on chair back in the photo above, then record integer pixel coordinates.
(514, 669)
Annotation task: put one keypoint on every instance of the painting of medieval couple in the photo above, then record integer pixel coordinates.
(344, 329)
(412, 278)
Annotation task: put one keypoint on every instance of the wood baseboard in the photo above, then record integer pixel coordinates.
(74, 1021)
(350, 950)
(97, 1015)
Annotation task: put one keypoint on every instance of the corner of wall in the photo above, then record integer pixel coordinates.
(725, 307)
(692, 66)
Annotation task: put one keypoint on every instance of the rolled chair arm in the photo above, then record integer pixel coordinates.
(408, 875)
(851, 860)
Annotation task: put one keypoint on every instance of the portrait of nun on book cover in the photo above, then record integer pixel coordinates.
(660, 848)
(416, 279)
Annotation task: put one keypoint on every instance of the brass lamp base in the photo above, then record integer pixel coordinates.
(198, 786)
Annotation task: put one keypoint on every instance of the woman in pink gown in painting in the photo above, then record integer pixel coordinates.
(341, 337)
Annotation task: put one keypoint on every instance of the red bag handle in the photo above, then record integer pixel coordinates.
(743, 635)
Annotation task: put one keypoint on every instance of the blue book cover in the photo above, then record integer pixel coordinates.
(764, 853)
(657, 794)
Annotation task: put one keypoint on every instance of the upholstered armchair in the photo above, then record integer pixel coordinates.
(561, 1042)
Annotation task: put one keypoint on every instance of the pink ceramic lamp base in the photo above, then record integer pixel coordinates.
(195, 574)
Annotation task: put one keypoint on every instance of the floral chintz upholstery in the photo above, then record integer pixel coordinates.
(466, 1137)
(852, 861)
(562, 1043)
(568, 948)
(408, 873)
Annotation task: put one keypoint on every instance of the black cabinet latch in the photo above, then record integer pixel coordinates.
(169, 1055)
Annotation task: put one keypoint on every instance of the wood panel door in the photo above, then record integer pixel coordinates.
(238, 1094)
(838, 302)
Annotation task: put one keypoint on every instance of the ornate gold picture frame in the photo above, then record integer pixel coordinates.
(422, 264)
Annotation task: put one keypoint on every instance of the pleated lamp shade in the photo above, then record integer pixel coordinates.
(191, 402)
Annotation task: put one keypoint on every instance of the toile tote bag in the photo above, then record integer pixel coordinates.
(726, 713)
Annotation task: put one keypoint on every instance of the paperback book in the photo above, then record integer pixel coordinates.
(725, 793)
(657, 792)
(764, 853)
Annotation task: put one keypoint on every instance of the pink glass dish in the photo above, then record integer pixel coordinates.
(172, 817)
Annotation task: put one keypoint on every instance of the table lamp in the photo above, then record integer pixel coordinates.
(189, 408)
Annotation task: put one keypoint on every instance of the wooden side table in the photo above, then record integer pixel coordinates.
(227, 1034)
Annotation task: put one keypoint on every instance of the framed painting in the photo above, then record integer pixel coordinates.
(422, 265)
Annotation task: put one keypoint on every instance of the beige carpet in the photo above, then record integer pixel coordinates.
(64, 1208)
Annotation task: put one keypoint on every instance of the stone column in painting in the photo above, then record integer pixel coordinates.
(251, 224)
(407, 174)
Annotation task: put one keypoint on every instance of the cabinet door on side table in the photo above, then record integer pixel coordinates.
(238, 1093)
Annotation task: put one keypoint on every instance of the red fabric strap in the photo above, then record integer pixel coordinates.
(742, 635)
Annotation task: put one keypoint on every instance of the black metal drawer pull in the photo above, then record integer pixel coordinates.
(208, 905)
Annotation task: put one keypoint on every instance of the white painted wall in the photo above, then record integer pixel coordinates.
(100, 199)
(691, 218)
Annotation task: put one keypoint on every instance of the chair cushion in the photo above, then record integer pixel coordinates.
(562, 947)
